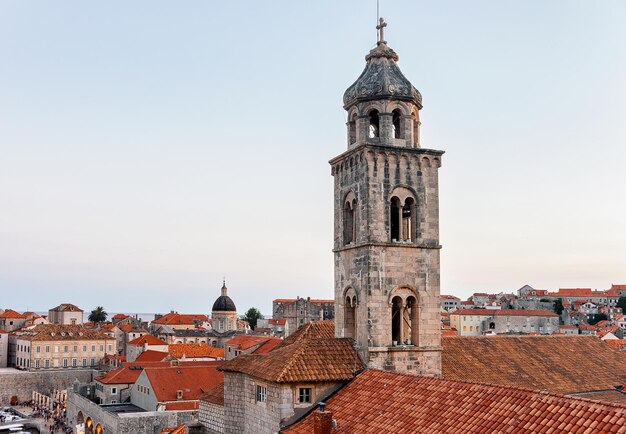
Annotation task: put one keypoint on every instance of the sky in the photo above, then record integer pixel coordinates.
(150, 148)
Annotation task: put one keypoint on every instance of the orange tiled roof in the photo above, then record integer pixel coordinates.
(379, 402)
(245, 342)
(147, 339)
(181, 406)
(152, 356)
(192, 380)
(215, 395)
(277, 321)
(67, 307)
(10, 313)
(181, 429)
(307, 360)
(195, 350)
(618, 344)
(120, 316)
(312, 330)
(175, 318)
(504, 312)
(555, 363)
(62, 332)
(268, 346)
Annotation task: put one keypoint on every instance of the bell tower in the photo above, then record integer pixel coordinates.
(386, 229)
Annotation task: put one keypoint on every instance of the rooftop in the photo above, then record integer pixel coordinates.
(385, 402)
(192, 380)
(562, 364)
(307, 360)
(504, 312)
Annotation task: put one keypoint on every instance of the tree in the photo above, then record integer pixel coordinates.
(98, 315)
(596, 318)
(252, 315)
(621, 302)
(558, 306)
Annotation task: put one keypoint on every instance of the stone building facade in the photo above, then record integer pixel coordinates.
(386, 232)
(52, 346)
(299, 311)
(475, 322)
(66, 313)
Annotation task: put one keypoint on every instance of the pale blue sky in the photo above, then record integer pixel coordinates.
(148, 148)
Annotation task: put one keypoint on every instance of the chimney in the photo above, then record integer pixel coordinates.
(322, 420)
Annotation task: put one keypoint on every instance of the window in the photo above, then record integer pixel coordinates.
(374, 124)
(65, 349)
(395, 126)
(261, 393)
(37, 363)
(38, 349)
(113, 390)
(74, 363)
(101, 347)
(84, 348)
(110, 348)
(46, 363)
(93, 362)
(65, 363)
(304, 395)
(349, 225)
(84, 363)
(75, 348)
(93, 348)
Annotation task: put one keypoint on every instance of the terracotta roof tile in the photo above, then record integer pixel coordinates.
(152, 356)
(214, 396)
(195, 350)
(120, 316)
(559, 364)
(10, 313)
(379, 402)
(312, 330)
(181, 429)
(308, 360)
(175, 318)
(245, 342)
(618, 344)
(60, 332)
(181, 406)
(147, 339)
(192, 380)
(67, 307)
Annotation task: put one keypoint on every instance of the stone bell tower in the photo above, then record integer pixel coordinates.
(386, 241)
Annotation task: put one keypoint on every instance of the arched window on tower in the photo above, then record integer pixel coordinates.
(349, 219)
(394, 217)
(404, 317)
(374, 124)
(352, 129)
(407, 219)
(402, 219)
(396, 320)
(416, 129)
(350, 303)
(395, 126)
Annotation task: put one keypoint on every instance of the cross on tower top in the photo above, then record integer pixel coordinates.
(381, 30)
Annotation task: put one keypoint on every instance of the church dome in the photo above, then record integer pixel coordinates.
(381, 79)
(224, 303)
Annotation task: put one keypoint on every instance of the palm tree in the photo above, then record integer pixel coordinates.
(98, 314)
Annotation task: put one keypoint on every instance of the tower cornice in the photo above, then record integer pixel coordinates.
(385, 148)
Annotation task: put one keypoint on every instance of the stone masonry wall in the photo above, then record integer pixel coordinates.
(211, 416)
(125, 423)
(374, 265)
(23, 383)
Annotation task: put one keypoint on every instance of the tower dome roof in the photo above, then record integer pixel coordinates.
(381, 78)
(224, 303)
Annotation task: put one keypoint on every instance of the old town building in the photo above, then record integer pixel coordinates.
(475, 322)
(53, 346)
(224, 312)
(386, 242)
(299, 311)
(65, 313)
